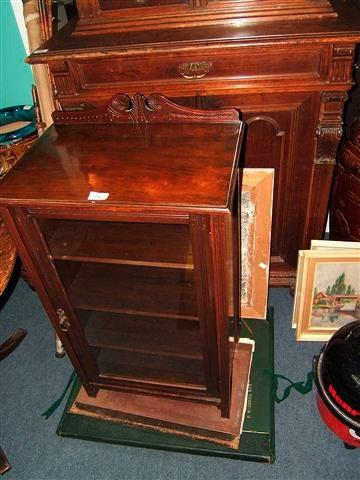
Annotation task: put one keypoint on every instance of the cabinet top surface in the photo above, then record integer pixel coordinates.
(166, 166)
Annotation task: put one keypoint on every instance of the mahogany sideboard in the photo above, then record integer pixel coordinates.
(287, 69)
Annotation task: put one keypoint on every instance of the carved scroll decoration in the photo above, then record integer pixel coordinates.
(329, 129)
(140, 109)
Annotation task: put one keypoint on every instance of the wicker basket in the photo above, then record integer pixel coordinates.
(7, 256)
(9, 156)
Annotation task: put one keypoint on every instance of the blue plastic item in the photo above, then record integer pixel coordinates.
(17, 113)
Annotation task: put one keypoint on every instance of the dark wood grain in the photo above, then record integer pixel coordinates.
(139, 109)
(128, 281)
(198, 170)
(285, 68)
(98, 16)
(221, 240)
(204, 278)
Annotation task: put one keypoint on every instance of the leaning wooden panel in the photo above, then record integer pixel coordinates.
(256, 215)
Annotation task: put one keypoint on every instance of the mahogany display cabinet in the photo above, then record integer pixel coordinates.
(132, 244)
(285, 65)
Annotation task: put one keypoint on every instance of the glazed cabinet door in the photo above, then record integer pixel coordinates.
(133, 302)
(131, 287)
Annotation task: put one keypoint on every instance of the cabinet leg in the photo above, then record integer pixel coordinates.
(225, 410)
(60, 351)
(91, 390)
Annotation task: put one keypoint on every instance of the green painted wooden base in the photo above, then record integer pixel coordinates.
(257, 441)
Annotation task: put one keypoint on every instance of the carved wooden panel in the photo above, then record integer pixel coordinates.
(119, 15)
(164, 73)
(281, 135)
(341, 62)
(140, 109)
(329, 129)
(64, 82)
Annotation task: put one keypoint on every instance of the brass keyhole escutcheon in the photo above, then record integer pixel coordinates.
(64, 322)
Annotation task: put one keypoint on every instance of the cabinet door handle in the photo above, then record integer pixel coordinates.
(64, 322)
(194, 70)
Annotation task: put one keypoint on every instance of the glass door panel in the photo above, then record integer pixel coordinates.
(146, 348)
(117, 242)
(132, 288)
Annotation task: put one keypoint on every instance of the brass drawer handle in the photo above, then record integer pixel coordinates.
(64, 322)
(194, 70)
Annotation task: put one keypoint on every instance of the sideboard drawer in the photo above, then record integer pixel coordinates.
(290, 64)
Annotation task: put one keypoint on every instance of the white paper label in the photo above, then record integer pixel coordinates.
(263, 265)
(98, 195)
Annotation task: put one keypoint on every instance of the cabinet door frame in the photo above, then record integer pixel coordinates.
(33, 249)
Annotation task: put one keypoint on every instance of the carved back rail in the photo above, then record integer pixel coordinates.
(140, 109)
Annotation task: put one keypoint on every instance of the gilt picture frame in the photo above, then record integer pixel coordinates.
(327, 294)
(256, 216)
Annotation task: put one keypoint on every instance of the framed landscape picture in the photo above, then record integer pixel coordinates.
(327, 294)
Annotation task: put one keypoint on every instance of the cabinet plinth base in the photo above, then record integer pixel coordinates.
(256, 441)
(178, 417)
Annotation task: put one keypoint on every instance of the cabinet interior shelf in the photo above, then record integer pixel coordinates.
(156, 245)
(154, 336)
(161, 292)
(156, 369)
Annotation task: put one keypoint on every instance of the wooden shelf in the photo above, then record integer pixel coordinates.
(156, 245)
(150, 368)
(159, 350)
(155, 336)
(162, 292)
